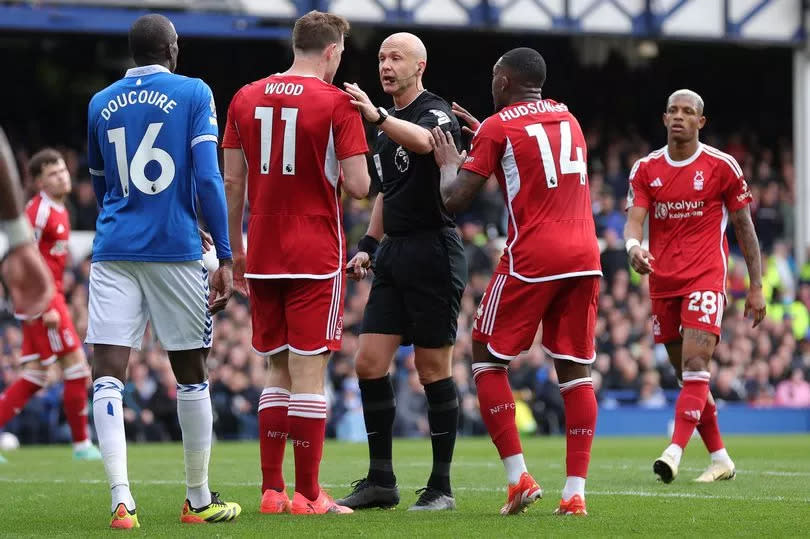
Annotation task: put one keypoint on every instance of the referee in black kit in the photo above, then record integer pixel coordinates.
(419, 275)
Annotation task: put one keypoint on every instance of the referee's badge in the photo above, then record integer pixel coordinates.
(401, 159)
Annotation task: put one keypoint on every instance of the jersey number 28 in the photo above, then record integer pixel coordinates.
(145, 154)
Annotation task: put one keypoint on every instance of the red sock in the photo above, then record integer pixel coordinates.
(497, 407)
(689, 406)
(17, 394)
(580, 424)
(273, 429)
(307, 415)
(74, 401)
(709, 429)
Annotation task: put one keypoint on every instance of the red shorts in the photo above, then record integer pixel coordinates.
(302, 315)
(697, 310)
(511, 311)
(46, 345)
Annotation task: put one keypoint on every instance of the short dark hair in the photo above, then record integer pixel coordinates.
(149, 36)
(527, 64)
(46, 156)
(315, 30)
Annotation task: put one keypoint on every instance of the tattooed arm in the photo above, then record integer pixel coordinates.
(749, 243)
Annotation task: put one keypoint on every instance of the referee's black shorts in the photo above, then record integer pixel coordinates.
(417, 287)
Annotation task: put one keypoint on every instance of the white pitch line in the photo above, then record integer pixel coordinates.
(636, 493)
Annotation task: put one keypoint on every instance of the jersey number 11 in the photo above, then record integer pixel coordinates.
(265, 117)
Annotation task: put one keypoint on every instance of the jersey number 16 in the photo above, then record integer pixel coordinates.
(145, 154)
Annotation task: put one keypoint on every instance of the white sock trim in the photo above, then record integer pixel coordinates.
(675, 451)
(35, 377)
(107, 387)
(274, 397)
(193, 392)
(721, 455)
(310, 405)
(573, 486)
(567, 386)
(699, 376)
(76, 372)
(515, 466)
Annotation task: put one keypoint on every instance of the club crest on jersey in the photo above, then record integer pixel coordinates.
(661, 210)
(697, 182)
(401, 159)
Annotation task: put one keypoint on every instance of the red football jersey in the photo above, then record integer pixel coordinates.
(51, 223)
(294, 131)
(538, 154)
(688, 203)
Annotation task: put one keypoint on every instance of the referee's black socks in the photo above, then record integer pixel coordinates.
(379, 409)
(442, 399)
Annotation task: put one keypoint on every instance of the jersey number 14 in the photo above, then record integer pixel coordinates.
(566, 165)
(145, 154)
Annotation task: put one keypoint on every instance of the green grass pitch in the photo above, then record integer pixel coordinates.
(44, 492)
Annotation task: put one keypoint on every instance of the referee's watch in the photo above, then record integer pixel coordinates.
(383, 115)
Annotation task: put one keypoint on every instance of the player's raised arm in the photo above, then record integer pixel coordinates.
(410, 135)
(749, 243)
(458, 187)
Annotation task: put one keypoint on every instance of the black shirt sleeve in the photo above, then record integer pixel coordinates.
(437, 112)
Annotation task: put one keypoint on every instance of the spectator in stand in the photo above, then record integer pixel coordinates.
(793, 392)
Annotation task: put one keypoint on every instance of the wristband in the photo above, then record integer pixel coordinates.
(368, 244)
(632, 242)
(18, 231)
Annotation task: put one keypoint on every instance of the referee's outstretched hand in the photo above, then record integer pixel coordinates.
(444, 149)
(358, 267)
(469, 119)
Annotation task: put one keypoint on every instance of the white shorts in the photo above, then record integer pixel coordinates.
(172, 295)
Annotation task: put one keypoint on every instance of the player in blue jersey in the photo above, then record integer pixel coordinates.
(152, 153)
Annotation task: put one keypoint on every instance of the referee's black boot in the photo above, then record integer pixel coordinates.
(367, 495)
(433, 499)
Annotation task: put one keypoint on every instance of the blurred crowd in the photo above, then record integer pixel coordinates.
(769, 366)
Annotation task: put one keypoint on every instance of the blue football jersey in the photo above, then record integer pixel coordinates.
(141, 131)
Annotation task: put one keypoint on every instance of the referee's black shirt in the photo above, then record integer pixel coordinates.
(409, 181)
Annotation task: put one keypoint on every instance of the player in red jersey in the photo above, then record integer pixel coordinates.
(549, 271)
(299, 141)
(690, 190)
(50, 336)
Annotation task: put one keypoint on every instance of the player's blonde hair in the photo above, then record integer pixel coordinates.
(691, 94)
(316, 30)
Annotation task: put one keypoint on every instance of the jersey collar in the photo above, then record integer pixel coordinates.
(423, 90)
(51, 202)
(146, 70)
(687, 161)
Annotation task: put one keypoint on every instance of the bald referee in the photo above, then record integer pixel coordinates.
(419, 275)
